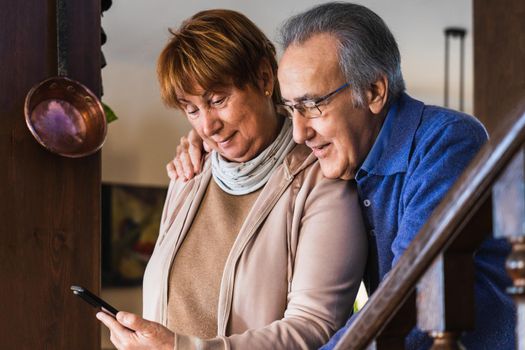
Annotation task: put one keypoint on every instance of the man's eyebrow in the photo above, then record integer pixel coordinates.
(305, 97)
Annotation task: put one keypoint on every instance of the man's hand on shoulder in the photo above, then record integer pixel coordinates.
(189, 158)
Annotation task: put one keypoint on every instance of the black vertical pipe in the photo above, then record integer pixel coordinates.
(461, 71)
(446, 69)
(455, 32)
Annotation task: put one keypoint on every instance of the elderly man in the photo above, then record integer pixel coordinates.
(342, 84)
(403, 154)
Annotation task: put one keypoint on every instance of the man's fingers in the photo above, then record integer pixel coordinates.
(178, 168)
(195, 141)
(188, 159)
(195, 154)
(194, 138)
(170, 169)
(183, 145)
(183, 158)
(190, 152)
(187, 166)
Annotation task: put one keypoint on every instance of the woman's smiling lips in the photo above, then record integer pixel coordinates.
(225, 142)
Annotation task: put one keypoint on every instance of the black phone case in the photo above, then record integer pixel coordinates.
(94, 300)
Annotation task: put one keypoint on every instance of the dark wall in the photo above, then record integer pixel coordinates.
(499, 59)
(49, 205)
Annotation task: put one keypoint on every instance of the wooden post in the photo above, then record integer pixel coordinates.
(498, 63)
(446, 307)
(49, 205)
(393, 336)
(509, 222)
(445, 294)
(498, 87)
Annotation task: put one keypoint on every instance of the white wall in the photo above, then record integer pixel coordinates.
(144, 138)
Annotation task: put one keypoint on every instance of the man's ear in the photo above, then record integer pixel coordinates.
(266, 77)
(377, 95)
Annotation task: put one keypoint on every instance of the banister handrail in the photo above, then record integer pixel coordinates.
(467, 194)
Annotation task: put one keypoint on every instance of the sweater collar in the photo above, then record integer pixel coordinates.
(391, 150)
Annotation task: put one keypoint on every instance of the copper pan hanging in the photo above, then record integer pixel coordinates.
(63, 115)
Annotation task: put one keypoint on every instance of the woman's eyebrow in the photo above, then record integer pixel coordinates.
(206, 94)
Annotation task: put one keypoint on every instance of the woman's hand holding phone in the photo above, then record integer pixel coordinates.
(128, 331)
(132, 332)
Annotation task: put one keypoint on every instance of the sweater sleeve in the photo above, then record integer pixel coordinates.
(329, 259)
(439, 158)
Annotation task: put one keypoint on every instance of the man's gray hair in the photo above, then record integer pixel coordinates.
(367, 48)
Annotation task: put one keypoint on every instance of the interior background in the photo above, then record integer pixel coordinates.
(145, 137)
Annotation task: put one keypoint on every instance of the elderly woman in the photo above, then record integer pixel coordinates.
(259, 251)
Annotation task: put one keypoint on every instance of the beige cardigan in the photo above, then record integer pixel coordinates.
(293, 272)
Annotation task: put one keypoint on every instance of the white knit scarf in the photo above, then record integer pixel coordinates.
(242, 178)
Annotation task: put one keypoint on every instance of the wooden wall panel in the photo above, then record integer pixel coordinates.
(49, 205)
(499, 59)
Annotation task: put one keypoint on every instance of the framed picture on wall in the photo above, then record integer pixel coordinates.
(130, 225)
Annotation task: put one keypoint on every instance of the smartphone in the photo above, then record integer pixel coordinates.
(94, 300)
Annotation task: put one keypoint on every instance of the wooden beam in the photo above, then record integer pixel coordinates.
(49, 205)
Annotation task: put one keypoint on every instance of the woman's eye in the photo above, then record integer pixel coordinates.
(218, 101)
(191, 110)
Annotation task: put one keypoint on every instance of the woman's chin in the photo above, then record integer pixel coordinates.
(233, 156)
(234, 152)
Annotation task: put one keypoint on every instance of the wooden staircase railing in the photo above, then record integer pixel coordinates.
(488, 197)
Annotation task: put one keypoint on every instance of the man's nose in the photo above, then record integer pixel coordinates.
(301, 128)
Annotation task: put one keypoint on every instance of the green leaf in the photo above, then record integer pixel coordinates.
(110, 115)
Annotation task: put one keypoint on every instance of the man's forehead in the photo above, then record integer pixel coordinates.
(299, 65)
(321, 45)
(304, 71)
(318, 53)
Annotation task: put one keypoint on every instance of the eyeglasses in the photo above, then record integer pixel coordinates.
(310, 108)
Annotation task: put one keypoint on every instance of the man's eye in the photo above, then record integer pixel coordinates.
(300, 107)
(310, 104)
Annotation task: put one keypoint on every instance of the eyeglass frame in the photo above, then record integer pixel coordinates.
(314, 104)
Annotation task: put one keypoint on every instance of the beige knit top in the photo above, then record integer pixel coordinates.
(196, 271)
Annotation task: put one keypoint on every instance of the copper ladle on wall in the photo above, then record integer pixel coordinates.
(63, 115)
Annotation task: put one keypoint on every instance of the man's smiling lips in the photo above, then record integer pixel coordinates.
(320, 150)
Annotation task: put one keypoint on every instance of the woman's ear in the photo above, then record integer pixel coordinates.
(266, 78)
(377, 95)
